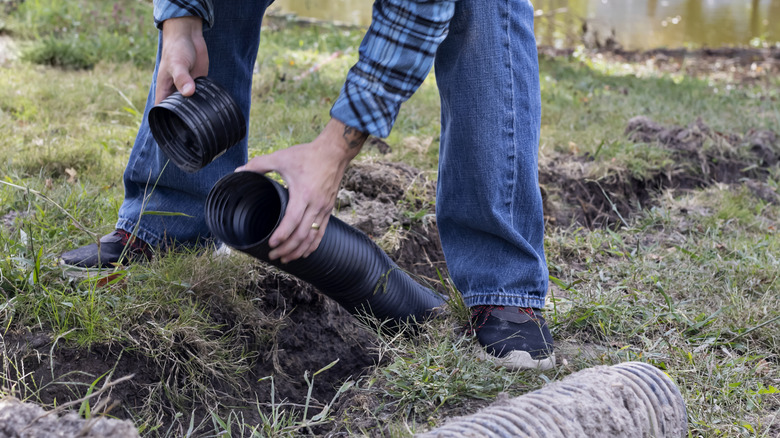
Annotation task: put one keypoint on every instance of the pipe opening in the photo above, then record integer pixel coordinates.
(243, 209)
(193, 131)
(180, 142)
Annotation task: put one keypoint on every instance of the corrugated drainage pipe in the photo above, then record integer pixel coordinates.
(632, 399)
(244, 208)
(193, 131)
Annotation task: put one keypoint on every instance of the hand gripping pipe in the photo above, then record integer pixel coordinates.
(632, 399)
(244, 208)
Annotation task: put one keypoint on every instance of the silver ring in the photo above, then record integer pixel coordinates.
(315, 226)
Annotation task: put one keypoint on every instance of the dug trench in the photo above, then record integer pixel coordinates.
(295, 331)
(393, 204)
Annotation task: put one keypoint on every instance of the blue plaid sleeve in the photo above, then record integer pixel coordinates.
(165, 9)
(395, 56)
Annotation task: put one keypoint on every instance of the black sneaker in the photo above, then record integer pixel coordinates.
(117, 248)
(513, 337)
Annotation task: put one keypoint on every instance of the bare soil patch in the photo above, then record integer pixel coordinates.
(734, 64)
(701, 155)
(311, 330)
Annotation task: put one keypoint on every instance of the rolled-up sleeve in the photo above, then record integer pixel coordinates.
(395, 57)
(165, 9)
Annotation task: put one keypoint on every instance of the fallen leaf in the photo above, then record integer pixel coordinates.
(71, 174)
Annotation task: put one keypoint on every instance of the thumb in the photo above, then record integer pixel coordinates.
(260, 164)
(183, 81)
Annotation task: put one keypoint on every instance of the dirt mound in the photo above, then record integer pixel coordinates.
(735, 64)
(303, 330)
(699, 155)
(393, 203)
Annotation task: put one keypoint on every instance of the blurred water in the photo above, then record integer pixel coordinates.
(637, 24)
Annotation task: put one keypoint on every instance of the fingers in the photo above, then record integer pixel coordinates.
(260, 164)
(184, 57)
(318, 235)
(296, 236)
(175, 75)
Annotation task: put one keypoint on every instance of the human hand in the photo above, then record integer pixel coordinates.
(313, 173)
(184, 57)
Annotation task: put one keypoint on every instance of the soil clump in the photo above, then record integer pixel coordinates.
(27, 420)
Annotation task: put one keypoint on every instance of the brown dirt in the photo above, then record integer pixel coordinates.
(733, 64)
(313, 330)
(701, 156)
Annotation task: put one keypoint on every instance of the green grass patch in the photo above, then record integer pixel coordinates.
(78, 34)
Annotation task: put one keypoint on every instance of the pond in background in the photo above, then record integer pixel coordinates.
(636, 24)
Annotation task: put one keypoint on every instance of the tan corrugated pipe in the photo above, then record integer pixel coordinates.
(632, 399)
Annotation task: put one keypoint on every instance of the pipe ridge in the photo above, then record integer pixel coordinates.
(194, 123)
(508, 425)
(604, 396)
(514, 420)
(546, 412)
(537, 427)
(642, 396)
(656, 391)
(545, 406)
(495, 426)
(671, 391)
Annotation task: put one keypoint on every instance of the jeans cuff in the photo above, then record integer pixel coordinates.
(533, 299)
(131, 227)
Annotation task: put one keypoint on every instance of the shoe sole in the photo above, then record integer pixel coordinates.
(519, 360)
(80, 273)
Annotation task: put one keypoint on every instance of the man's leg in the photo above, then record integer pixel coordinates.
(489, 207)
(152, 183)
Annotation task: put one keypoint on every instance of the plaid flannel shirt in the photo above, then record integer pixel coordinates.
(396, 56)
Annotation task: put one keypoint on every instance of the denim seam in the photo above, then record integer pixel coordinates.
(512, 118)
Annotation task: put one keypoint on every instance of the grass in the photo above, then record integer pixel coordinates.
(689, 284)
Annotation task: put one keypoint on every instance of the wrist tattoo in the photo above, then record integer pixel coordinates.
(353, 137)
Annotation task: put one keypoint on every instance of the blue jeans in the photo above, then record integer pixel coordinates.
(489, 207)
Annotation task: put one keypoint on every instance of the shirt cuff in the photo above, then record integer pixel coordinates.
(165, 9)
(395, 57)
(364, 110)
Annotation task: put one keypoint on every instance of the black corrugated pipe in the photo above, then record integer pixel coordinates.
(193, 131)
(244, 208)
